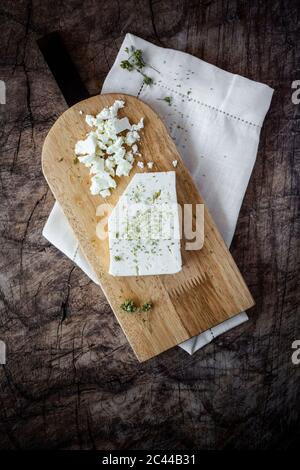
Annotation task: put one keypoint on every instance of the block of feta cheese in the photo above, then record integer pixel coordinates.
(143, 228)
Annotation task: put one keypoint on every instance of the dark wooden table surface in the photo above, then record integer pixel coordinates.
(71, 380)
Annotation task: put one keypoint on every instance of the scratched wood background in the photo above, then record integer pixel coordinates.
(71, 380)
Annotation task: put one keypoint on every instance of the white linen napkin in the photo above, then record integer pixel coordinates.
(214, 117)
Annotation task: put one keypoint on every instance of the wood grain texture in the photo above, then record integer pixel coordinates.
(207, 291)
(61, 387)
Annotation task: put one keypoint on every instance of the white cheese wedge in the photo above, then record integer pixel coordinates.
(143, 228)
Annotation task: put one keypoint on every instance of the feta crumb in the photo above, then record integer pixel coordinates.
(86, 146)
(87, 160)
(135, 149)
(105, 193)
(132, 137)
(109, 165)
(116, 146)
(123, 168)
(80, 112)
(150, 165)
(97, 166)
(140, 164)
(90, 120)
(121, 125)
(112, 111)
(175, 163)
(138, 126)
(129, 157)
(100, 182)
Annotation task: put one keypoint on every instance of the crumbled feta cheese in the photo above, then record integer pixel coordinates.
(150, 165)
(112, 111)
(105, 114)
(116, 146)
(140, 164)
(119, 155)
(105, 152)
(103, 141)
(80, 112)
(129, 157)
(132, 137)
(174, 163)
(97, 166)
(90, 120)
(86, 146)
(135, 149)
(102, 181)
(105, 193)
(109, 165)
(138, 126)
(123, 168)
(121, 125)
(87, 160)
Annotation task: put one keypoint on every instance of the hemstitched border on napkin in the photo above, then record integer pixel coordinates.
(201, 103)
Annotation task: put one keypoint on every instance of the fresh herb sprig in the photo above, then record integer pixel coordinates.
(129, 306)
(156, 195)
(167, 99)
(136, 62)
(146, 306)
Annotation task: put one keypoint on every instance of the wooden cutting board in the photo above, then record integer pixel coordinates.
(208, 290)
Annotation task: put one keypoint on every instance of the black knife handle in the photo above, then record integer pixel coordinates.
(62, 68)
